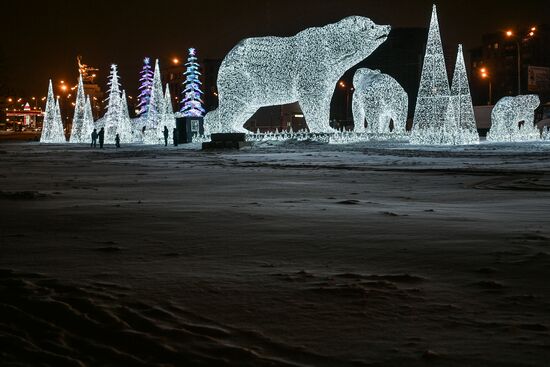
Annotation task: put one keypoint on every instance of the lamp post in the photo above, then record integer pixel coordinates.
(485, 75)
(510, 34)
(348, 92)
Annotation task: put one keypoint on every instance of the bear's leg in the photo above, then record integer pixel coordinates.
(232, 114)
(358, 117)
(317, 113)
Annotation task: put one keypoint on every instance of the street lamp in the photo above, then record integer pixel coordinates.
(510, 34)
(348, 91)
(484, 73)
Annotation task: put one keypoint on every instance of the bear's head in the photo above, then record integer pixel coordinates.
(354, 38)
(525, 107)
(364, 77)
(530, 101)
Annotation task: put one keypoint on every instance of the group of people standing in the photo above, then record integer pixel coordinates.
(101, 137)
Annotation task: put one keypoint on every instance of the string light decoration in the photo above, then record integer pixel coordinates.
(124, 126)
(156, 104)
(114, 106)
(146, 84)
(88, 125)
(192, 93)
(378, 99)
(52, 128)
(512, 119)
(546, 133)
(168, 116)
(433, 95)
(304, 68)
(461, 110)
(78, 133)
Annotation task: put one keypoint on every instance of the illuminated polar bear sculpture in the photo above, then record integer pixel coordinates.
(378, 99)
(305, 68)
(512, 119)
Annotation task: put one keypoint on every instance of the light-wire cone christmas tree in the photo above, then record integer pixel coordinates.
(192, 93)
(52, 127)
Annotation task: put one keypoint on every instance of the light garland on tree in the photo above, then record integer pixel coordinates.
(431, 114)
(461, 110)
(305, 68)
(192, 93)
(378, 98)
(146, 84)
(52, 127)
(124, 126)
(78, 132)
(168, 116)
(114, 106)
(88, 125)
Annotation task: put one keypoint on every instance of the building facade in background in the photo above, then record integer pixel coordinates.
(498, 57)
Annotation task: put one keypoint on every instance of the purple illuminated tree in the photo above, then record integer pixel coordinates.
(192, 93)
(146, 84)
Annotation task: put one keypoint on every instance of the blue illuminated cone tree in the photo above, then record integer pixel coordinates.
(146, 85)
(192, 93)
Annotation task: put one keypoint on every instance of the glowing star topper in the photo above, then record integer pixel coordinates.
(305, 68)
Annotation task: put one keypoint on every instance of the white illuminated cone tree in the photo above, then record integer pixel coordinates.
(168, 116)
(78, 134)
(88, 125)
(124, 127)
(114, 106)
(461, 117)
(156, 103)
(52, 128)
(433, 94)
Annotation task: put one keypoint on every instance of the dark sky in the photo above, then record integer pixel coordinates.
(40, 39)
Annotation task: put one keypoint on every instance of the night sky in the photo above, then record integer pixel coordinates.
(41, 39)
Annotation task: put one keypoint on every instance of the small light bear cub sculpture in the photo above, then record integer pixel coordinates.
(512, 119)
(305, 68)
(378, 99)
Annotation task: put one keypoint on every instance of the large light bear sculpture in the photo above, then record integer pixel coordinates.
(305, 68)
(507, 116)
(378, 99)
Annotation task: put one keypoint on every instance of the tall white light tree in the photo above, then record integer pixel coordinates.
(461, 119)
(156, 104)
(124, 127)
(114, 106)
(433, 94)
(78, 135)
(52, 128)
(88, 125)
(168, 116)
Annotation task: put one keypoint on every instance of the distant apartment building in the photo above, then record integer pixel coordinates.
(498, 59)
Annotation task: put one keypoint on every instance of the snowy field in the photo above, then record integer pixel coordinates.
(287, 254)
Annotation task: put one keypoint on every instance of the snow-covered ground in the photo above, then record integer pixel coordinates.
(286, 254)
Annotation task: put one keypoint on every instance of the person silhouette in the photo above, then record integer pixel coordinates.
(117, 141)
(94, 139)
(175, 136)
(165, 132)
(101, 136)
